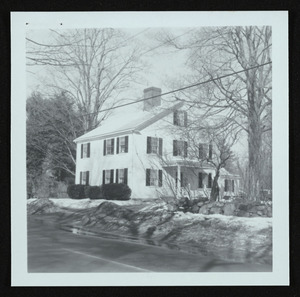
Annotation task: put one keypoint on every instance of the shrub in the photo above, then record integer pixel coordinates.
(93, 192)
(76, 191)
(116, 192)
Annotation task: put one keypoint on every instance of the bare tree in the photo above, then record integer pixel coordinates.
(243, 98)
(93, 66)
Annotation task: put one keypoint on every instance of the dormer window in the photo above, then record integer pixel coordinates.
(180, 118)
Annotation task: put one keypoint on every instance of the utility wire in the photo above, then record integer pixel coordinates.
(180, 89)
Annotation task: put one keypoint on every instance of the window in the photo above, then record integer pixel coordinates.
(153, 177)
(122, 144)
(107, 176)
(180, 118)
(154, 145)
(84, 177)
(179, 148)
(229, 185)
(108, 146)
(205, 151)
(85, 150)
(209, 183)
(121, 175)
(200, 180)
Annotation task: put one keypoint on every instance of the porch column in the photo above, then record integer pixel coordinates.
(178, 180)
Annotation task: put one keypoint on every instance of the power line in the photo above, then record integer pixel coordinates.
(180, 89)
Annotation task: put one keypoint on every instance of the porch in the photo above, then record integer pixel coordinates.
(188, 179)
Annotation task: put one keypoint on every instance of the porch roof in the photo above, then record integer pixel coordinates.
(188, 163)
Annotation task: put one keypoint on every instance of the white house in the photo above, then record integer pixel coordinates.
(147, 150)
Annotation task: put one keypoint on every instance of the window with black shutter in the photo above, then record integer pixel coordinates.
(85, 150)
(154, 145)
(122, 144)
(180, 118)
(209, 180)
(200, 180)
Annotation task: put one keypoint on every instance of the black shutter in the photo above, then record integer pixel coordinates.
(176, 179)
(201, 151)
(103, 177)
(147, 177)
(200, 180)
(80, 181)
(232, 185)
(88, 150)
(226, 185)
(174, 147)
(125, 176)
(160, 178)
(175, 117)
(118, 141)
(148, 145)
(209, 180)
(113, 145)
(185, 149)
(126, 144)
(210, 152)
(111, 176)
(181, 179)
(81, 151)
(87, 178)
(104, 147)
(117, 176)
(205, 148)
(160, 146)
(185, 119)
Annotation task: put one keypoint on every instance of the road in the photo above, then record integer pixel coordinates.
(51, 249)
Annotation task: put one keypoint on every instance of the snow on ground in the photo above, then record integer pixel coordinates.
(254, 223)
(84, 203)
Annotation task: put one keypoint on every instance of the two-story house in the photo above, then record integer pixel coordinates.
(148, 151)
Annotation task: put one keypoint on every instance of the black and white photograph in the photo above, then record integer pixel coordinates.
(154, 150)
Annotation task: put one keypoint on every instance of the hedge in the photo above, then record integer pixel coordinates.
(93, 192)
(77, 191)
(109, 192)
(116, 191)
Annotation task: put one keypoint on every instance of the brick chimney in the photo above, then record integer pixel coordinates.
(151, 103)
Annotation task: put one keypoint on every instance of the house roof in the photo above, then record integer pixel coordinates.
(126, 121)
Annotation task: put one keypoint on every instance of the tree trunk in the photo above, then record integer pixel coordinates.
(254, 145)
(215, 188)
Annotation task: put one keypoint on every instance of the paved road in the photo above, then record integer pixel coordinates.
(53, 250)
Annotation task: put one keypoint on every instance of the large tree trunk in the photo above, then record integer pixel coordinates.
(215, 188)
(254, 144)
